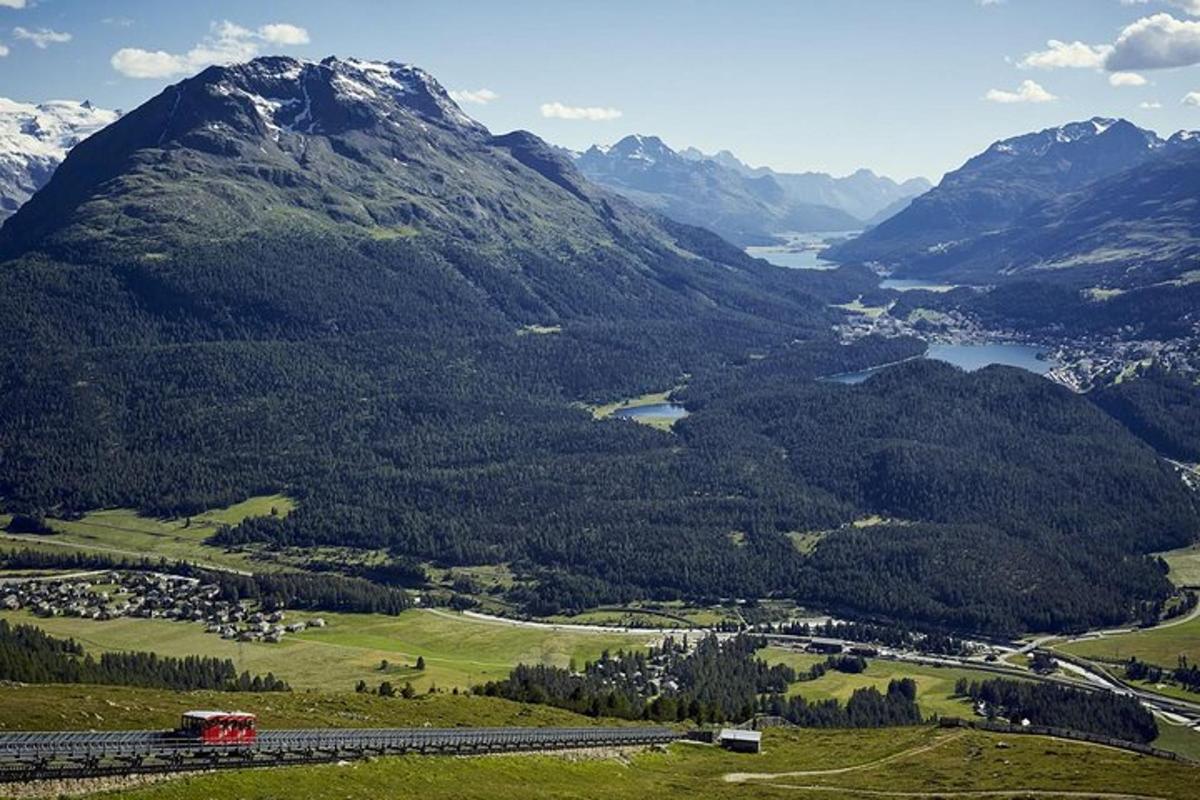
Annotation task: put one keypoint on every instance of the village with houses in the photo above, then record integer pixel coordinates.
(149, 595)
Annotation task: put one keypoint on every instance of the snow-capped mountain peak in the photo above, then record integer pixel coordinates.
(1071, 134)
(34, 139)
(305, 97)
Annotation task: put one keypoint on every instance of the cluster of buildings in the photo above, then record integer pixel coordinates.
(1097, 361)
(149, 595)
(1080, 363)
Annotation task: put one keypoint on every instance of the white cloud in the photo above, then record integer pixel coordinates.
(3, 51)
(1027, 92)
(284, 33)
(42, 37)
(479, 97)
(594, 113)
(1156, 42)
(1066, 54)
(226, 43)
(12, 3)
(1150, 105)
(1126, 79)
(1191, 99)
(133, 62)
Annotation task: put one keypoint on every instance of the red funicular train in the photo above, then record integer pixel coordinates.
(220, 727)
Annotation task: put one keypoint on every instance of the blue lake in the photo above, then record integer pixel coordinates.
(792, 259)
(802, 251)
(971, 357)
(655, 410)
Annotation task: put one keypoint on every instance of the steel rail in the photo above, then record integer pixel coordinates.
(36, 755)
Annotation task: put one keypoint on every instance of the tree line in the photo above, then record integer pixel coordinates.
(1106, 713)
(29, 655)
(866, 707)
(872, 633)
(1184, 674)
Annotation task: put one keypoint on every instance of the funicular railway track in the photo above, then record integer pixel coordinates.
(78, 754)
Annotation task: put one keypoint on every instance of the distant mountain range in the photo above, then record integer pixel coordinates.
(868, 197)
(34, 139)
(366, 149)
(1098, 200)
(745, 205)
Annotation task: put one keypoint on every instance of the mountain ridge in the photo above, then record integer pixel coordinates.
(992, 191)
(744, 209)
(862, 193)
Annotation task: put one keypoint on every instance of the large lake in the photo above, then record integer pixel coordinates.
(971, 357)
(802, 251)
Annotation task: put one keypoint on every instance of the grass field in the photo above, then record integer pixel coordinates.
(1178, 739)
(75, 707)
(857, 307)
(672, 614)
(935, 685)
(1184, 564)
(124, 532)
(905, 762)
(1162, 645)
(458, 651)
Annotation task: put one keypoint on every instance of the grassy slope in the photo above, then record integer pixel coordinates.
(1161, 645)
(935, 685)
(121, 708)
(123, 532)
(889, 761)
(1185, 565)
(458, 651)
(1178, 739)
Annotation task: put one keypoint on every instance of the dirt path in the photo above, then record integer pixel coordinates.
(1004, 793)
(746, 777)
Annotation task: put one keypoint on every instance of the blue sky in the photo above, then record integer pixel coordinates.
(905, 87)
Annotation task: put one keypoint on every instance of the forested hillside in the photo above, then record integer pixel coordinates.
(1161, 407)
(992, 483)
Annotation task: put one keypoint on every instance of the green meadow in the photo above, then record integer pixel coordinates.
(905, 762)
(459, 651)
(124, 532)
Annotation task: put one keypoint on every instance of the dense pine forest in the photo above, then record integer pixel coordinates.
(1161, 407)
(1104, 713)
(713, 683)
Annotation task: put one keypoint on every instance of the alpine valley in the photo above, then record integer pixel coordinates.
(324, 280)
